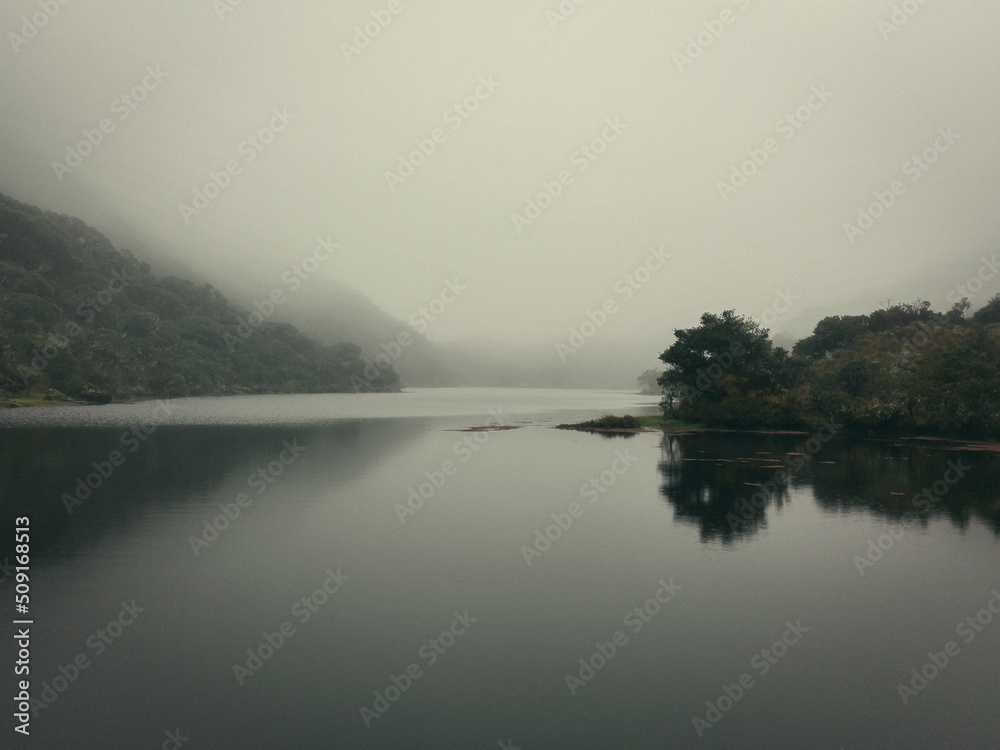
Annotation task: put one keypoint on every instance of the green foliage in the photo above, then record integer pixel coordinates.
(990, 313)
(612, 422)
(832, 333)
(734, 343)
(726, 371)
(901, 369)
(79, 316)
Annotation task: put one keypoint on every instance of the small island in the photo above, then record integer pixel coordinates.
(609, 424)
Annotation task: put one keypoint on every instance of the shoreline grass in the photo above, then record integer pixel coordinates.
(629, 423)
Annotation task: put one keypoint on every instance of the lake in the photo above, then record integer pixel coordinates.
(344, 571)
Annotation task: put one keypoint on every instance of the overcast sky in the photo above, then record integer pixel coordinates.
(671, 97)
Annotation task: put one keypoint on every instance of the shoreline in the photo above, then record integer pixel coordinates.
(674, 427)
(7, 402)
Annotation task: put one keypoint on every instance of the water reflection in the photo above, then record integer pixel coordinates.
(42, 471)
(892, 478)
(724, 483)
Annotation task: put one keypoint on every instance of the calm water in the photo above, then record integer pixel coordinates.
(335, 608)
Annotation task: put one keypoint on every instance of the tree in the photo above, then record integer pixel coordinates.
(958, 310)
(990, 313)
(648, 382)
(727, 344)
(672, 391)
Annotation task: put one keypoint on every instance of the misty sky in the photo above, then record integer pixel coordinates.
(833, 99)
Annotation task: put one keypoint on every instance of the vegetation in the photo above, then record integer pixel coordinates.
(610, 422)
(80, 318)
(649, 383)
(901, 369)
(668, 424)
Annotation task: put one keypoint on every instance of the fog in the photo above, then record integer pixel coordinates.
(500, 175)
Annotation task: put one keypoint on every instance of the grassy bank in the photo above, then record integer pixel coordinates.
(629, 423)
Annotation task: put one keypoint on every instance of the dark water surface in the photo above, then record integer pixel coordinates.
(702, 619)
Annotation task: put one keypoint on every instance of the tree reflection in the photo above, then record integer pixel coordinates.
(725, 483)
(713, 482)
(891, 478)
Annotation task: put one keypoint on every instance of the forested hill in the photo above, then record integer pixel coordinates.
(902, 369)
(80, 318)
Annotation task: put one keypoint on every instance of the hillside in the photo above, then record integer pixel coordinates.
(331, 311)
(81, 318)
(902, 369)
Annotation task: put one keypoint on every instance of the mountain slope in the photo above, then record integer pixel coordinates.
(85, 319)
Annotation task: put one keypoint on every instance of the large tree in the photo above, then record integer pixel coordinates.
(723, 349)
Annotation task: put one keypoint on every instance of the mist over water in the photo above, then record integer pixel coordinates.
(323, 279)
